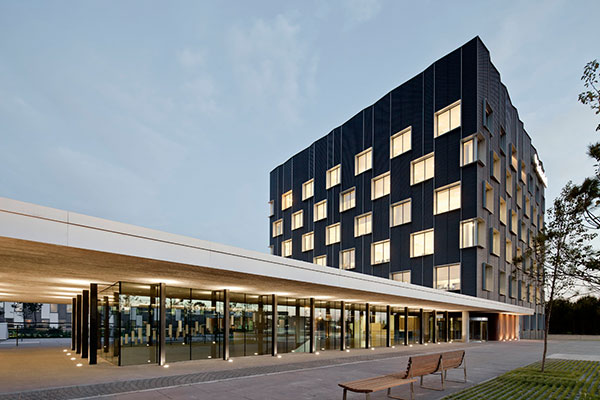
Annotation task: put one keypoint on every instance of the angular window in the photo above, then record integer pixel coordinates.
(514, 162)
(297, 220)
(401, 213)
(271, 208)
(495, 243)
(534, 216)
(380, 186)
(402, 276)
(472, 233)
(362, 225)
(468, 152)
(502, 283)
(400, 142)
(308, 189)
(421, 243)
(422, 169)
(513, 288)
(509, 251)
(530, 294)
(523, 291)
(380, 252)
(496, 167)
(513, 222)
(286, 248)
(502, 211)
(363, 161)
(523, 172)
(446, 198)
(308, 241)
(527, 206)
(509, 184)
(320, 210)
(347, 259)
(334, 176)
(286, 200)
(519, 196)
(320, 260)
(488, 277)
(332, 234)
(278, 228)
(347, 200)
(447, 119)
(447, 277)
(488, 197)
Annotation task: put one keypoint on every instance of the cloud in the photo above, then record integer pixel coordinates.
(359, 11)
(191, 58)
(273, 65)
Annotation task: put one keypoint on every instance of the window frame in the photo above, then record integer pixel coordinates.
(449, 189)
(400, 135)
(279, 223)
(316, 206)
(403, 204)
(423, 160)
(383, 260)
(488, 274)
(347, 192)
(294, 226)
(448, 109)
(338, 227)
(338, 170)
(386, 190)
(424, 232)
(403, 274)
(309, 183)
(321, 257)
(436, 270)
(357, 157)
(369, 228)
(353, 264)
(284, 245)
(284, 201)
(304, 237)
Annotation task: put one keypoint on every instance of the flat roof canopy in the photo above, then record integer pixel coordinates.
(49, 255)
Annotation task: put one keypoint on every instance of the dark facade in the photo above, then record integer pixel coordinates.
(488, 154)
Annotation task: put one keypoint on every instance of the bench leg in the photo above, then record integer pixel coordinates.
(432, 388)
(412, 390)
(368, 396)
(457, 381)
(345, 394)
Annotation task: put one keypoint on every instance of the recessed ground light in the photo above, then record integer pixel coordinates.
(79, 365)
(230, 360)
(393, 347)
(425, 344)
(209, 356)
(279, 356)
(65, 350)
(149, 361)
(293, 351)
(317, 353)
(410, 345)
(166, 366)
(73, 359)
(183, 344)
(68, 354)
(322, 348)
(214, 342)
(372, 348)
(255, 354)
(347, 351)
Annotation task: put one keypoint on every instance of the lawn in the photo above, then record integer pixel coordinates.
(563, 379)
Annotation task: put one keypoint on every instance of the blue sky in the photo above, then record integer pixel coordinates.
(172, 117)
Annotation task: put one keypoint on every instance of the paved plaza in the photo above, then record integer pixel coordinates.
(42, 370)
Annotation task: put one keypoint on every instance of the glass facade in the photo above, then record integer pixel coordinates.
(129, 324)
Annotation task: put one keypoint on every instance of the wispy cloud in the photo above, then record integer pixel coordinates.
(359, 11)
(189, 58)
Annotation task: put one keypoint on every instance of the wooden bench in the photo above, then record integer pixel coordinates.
(452, 360)
(418, 366)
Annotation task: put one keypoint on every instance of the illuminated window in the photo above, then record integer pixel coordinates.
(488, 197)
(363, 161)
(308, 189)
(509, 184)
(380, 186)
(422, 169)
(421, 243)
(519, 195)
(502, 283)
(308, 241)
(502, 211)
(347, 259)
(334, 176)
(488, 277)
(514, 162)
(530, 294)
(468, 151)
(447, 119)
(523, 291)
(513, 222)
(535, 216)
(402, 276)
(332, 234)
(496, 166)
(278, 228)
(447, 198)
(401, 213)
(513, 288)
(271, 208)
(527, 206)
(509, 251)
(362, 225)
(297, 220)
(347, 200)
(447, 277)
(495, 242)
(320, 210)
(286, 248)
(400, 142)
(523, 172)
(380, 252)
(286, 200)
(320, 260)
(472, 233)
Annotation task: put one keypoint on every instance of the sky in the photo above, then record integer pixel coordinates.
(170, 115)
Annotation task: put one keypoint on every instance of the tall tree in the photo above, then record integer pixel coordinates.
(562, 247)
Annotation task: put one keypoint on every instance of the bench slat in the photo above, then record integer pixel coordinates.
(375, 384)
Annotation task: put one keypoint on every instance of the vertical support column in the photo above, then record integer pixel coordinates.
(388, 339)
(465, 326)
(447, 319)
(312, 341)
(78, 334)
(93, 323)
(162, 325)
(274, 326)
(73, 323)
(106, 341)
(117, 323)
(368, 326)
(406, 326)
(422, 323)
(434, 333)
(85, 309)
(226, 324)
(343, 326)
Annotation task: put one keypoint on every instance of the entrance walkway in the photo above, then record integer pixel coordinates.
(48, 373)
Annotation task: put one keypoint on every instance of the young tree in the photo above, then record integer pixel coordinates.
(561, 248)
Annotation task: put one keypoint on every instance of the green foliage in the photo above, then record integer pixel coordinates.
(581, 317)
(591, 79)
(563, 379)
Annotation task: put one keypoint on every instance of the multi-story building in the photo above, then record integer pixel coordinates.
(436, 184)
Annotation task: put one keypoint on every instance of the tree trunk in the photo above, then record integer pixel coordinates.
(546, 329)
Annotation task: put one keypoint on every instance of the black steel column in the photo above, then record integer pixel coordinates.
(312, 341)
(343, 326)
(78, 324)
(93, 323)
(368, 326)
(388, 339)
(117, 323)
(85, 309)
(434, 340)
(73, 323)
(106, 325)
(447, 326)
(421, 323)
(274, 327)
(406, 326)
(226, 324)
(162, 315)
